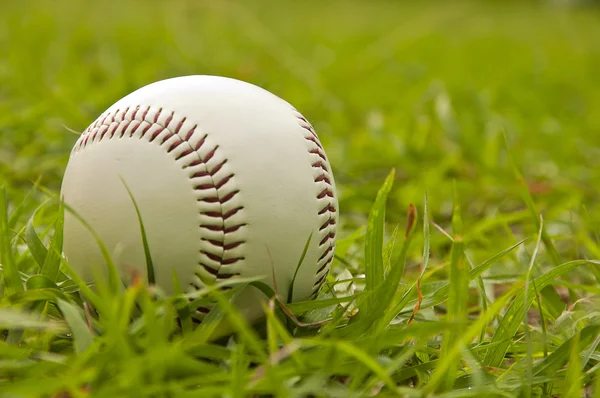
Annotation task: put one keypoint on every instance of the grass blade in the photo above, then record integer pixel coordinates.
(528, 278)
(34, 243)
(573, 376)
(82, 336)
(374, 269)
(147, 254)
(51, 265)
(457, 296)
(12, 278)
(291, 291)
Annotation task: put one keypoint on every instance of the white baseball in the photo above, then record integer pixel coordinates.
(230, 181)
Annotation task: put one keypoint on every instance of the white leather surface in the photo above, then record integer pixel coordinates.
(224, 173)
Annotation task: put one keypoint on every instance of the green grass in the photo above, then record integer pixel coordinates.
(489, 113)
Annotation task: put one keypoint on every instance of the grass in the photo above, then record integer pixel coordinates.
(487, 112)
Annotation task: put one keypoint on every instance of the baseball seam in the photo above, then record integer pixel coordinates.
(219, 209)
(327, 205)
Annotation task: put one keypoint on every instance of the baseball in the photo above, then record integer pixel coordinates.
(230, 181)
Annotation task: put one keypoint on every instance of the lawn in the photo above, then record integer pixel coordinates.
(475, 125)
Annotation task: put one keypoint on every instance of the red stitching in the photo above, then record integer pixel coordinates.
(113, 129)
(327, 237)
(174, 145)
(325, 192)
(330, 221)
(327, 208)
(212, 256)
(103, 131)
(201, 142)
(320, 165)
(168, 121)
(210, 270)
(225, 246)
(166, 137)
(179, 125)
(223, 181)
(203, 310)
(224, 199)
(201, 187)
(210, 155)
(229, 261)
(155, 134)
(157, 115)
(188, 136)
(325, 253)
(321, 280)
(310, 129)
(324, 178)
(219, 214)
(124, 128)
(143, 133)
(218, 167)
(319, 153)
(325, 264)
(134, 129)
(313, 140)
(227, 276)
(122, 118)
(184, 153)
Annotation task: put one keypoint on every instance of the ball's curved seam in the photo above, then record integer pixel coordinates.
(326, 197)
(213, 189)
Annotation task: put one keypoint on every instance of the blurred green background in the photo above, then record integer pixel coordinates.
(428, 88)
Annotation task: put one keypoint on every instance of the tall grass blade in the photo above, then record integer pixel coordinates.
(457, 314)
(306, 246)
(51, 265)
(12, 278)
(374, 269)
(34, 243)
(574, 371)
(147, 254)
(528, 279)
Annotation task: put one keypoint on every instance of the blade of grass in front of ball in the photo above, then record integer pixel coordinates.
(147, 254)
(291, 290)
